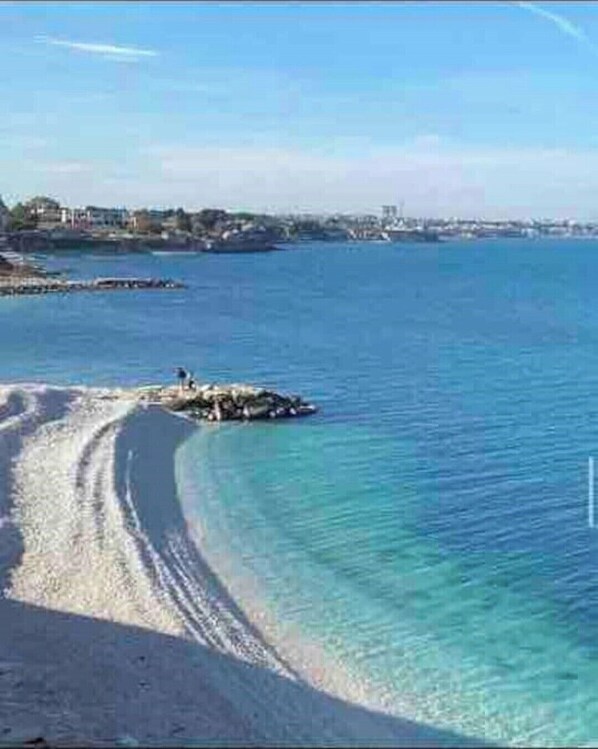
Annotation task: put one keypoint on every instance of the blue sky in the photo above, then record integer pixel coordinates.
(457, 108)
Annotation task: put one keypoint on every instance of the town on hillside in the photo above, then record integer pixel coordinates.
(43, 223)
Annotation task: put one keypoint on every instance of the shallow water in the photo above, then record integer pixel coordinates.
(429, 526)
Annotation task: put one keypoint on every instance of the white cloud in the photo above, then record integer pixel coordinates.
(106, 51)
(562, 23)
(62, 167)
(432, 176)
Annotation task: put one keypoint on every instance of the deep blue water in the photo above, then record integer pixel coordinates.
(429, 525)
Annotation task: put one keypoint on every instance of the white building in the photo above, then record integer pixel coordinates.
(92, 217)
(45, 211)
(389, 213)
(136, 219)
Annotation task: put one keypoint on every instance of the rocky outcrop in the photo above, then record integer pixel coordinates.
(239, 246)
(13, 266)
(229, 402)
(32, 286)
(6, 267)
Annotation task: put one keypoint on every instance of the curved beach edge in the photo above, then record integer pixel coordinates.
(115, 630)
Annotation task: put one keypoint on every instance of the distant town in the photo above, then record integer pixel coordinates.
(43, 223)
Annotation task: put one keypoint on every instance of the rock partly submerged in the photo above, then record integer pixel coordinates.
(235, 402)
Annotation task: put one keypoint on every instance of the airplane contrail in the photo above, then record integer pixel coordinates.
(562, 23)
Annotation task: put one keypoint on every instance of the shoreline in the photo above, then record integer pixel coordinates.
(115, 628)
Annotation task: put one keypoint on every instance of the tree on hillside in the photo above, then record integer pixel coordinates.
(21, 218)
(306, 227)
(209, 217)
(43, 201)
(183, 220)
(145, 224)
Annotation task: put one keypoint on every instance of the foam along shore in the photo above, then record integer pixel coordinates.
(114, 630)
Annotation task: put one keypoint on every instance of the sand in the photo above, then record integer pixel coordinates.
(113, 628)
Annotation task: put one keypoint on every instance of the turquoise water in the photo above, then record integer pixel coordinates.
(429, 526)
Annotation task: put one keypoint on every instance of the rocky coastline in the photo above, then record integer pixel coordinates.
(234, 402)
(48, 241)
(18, 286)
(20, 278)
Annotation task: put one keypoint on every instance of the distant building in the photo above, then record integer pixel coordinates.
(389, 213)
(93, 217)
(46, 211)
(42, 206)
(72, 217)
(146, 220)
(106, 218)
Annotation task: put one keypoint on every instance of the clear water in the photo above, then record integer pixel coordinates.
(429, 525)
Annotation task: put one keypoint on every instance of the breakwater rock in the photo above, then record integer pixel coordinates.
(30, 286)
(228, 402)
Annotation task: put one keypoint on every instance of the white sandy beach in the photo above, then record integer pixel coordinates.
(113, 629)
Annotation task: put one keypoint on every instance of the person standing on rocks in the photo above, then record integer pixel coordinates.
(181, 376)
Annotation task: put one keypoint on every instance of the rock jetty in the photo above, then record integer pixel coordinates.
(227, 402)
(29, 286)
(20, 278)
(13, 265)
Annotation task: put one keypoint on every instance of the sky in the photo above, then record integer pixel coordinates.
(469, 109)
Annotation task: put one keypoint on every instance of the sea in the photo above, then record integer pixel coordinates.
(430, 529)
